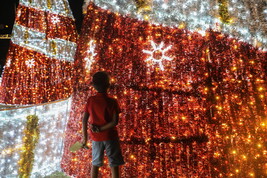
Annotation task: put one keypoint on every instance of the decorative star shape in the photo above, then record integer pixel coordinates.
(91, 54)
(30, 63)
(55, 19)
(157, 54)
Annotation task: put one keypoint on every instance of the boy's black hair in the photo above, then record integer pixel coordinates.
(101, 81)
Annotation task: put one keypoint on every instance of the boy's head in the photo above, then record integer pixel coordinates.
(101, 81)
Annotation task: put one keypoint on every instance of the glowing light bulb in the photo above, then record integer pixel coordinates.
(259, 145)
(251, 174)
(244, 157)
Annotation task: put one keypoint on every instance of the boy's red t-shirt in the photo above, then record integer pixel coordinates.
(101, 108)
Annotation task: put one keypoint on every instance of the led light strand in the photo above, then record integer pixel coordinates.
(48, 151)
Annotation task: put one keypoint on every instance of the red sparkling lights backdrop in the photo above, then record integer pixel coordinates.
(39, 65)
(192, 105)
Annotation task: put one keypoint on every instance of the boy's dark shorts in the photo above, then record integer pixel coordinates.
(113, 152)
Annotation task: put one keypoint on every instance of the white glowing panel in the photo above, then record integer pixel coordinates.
(37, 41)
(48, 151)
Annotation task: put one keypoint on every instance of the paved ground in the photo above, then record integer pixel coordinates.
(57, 175)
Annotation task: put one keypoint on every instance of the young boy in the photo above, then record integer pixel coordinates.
(103, 114)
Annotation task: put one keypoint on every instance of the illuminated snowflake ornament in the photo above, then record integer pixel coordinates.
(157, 54)
(55, 19)
(30, 63)
(91, 54)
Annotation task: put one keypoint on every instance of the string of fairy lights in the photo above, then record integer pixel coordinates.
(40, 61)
(190, 77)
(38, 70)
(32, 147)
(194, 104)
(240, 19)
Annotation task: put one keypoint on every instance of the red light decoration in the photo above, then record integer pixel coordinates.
(39, 64)
(202, 115)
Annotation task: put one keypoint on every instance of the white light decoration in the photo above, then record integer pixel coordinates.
(48, 151)
(55, 19)
(30, 63)
(201, 15)
(157, 54)
(38, 42)
(18, 13)
(59, 8)
(165, 6)
(8, 63)
(91, 54)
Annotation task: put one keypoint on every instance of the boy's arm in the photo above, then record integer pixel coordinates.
(113, 123)
(85, 121)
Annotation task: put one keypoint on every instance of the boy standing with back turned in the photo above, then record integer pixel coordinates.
(103, 114)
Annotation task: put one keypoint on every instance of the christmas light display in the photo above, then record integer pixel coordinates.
(38, 69)
(31, 137)
(90, 55)
(245, 20)
(158, 54)
(204, 115)
(39, 64)
(31, 142)
(223, 11)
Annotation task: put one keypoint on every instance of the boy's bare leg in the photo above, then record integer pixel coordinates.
(94, 171)
(115, 172)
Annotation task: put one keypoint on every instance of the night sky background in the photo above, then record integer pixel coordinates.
(7, 18)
